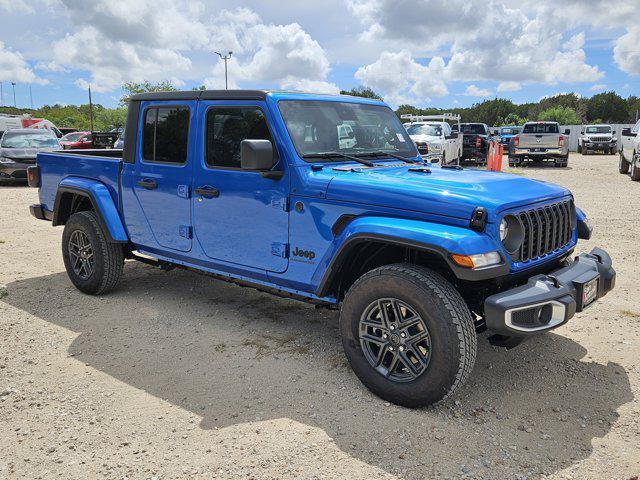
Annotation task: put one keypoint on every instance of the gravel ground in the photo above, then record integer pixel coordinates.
(175, 375)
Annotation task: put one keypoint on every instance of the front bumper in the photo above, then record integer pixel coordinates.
(598, 145)
(13, 171)
(548, 301)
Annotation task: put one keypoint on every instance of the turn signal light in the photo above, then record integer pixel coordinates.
(478, 142)
(480, 260)
(516, 141)
(561, 141)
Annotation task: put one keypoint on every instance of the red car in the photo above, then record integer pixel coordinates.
(76, 140)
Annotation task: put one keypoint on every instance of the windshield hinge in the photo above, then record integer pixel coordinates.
(280, 249)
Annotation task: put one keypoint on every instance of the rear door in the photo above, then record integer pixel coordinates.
(240, 216)
(156, 187)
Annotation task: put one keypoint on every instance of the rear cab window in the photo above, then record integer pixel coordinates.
(165, 135)
(538, 128)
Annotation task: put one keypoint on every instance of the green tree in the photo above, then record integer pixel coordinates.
(560, 114)
(609, 106)
(361, 91)
(131, 88)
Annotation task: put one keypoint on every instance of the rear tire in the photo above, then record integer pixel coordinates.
(425, 371)
(623, 165)
(94, 264)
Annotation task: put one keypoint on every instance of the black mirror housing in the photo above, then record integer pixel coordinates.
(567, 131)
(626, 132)
(256, 155)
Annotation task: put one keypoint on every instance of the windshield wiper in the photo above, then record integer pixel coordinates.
(339, 155)
(393, 155)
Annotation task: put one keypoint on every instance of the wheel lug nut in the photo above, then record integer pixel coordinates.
(391, 349)
(403, 334)
(384, 335)
(393, 327)
(401, 348)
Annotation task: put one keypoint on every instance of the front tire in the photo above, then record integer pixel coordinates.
(93, 264)
(408, 334)
(623, 165)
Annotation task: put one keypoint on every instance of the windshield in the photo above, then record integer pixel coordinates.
(473, 128)
(28, 140)
(71, 137)
(509, 131)
(425, 129)
(541, 128)
(598, 129)
(349, 128)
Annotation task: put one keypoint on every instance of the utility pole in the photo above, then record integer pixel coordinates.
(225, 58)
(31, 97)
(90, 109)
(13, 84)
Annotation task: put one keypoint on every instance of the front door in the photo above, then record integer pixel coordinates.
(240, 216)
(161, 177)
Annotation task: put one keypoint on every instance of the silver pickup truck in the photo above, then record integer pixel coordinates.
(540, 141)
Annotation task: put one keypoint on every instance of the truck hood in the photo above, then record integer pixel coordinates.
(426, 138)
(444, 191)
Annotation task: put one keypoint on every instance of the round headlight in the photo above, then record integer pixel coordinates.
(511, 233)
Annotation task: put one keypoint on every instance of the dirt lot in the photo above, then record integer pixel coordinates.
(176, 375)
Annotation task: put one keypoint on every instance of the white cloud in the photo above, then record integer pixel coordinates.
(14, 68)
(509, 86)
(403, 80)
(473, 91)
(116, 41)
(626, 51)
(484, 42)
(17, 6)
(599, 87)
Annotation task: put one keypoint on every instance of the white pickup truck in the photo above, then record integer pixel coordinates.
(434, 137)
(630, 151)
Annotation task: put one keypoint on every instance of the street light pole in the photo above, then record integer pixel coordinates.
(13, 84)
(225, 58)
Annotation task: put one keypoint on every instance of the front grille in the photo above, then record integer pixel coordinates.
(600, 139)
(546, 229)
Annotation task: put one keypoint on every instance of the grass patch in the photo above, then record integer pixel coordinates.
(630, 313)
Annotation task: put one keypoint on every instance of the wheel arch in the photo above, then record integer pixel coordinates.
(371, 242)
(76, 195)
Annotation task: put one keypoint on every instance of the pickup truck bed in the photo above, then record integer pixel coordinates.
(539, 141)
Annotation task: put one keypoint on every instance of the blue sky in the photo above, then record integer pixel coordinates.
(423, 52)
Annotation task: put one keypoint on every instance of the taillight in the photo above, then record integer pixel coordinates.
(33, 176)
(560, 141)
(478, 142)
(516, 141)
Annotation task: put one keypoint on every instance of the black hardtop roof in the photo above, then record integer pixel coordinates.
(202, 95)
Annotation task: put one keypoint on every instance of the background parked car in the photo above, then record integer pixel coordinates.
(597, 137)
(18, 150)
(77, 140)
(506, 133)
(540, 141)
(475, 142)
(630, 151)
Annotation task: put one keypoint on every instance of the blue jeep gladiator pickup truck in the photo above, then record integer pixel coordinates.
(261, 189)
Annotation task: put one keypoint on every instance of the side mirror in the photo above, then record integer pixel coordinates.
(567, 131)
(495, 132)
(614, 132)
(626, 132)
(256, 155)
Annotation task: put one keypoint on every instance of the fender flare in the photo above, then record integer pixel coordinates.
(102, 202)
(432, 237)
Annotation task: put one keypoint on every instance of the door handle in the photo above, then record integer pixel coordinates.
(148, 184)
(208, 192)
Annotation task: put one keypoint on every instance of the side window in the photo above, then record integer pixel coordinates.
(636, 127)
(165, 135)
(226, 128)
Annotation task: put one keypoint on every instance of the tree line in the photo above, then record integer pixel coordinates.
(567, 109)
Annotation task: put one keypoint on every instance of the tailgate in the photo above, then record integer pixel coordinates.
(537, 140)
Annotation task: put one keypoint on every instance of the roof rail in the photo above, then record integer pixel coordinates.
(443, 117)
